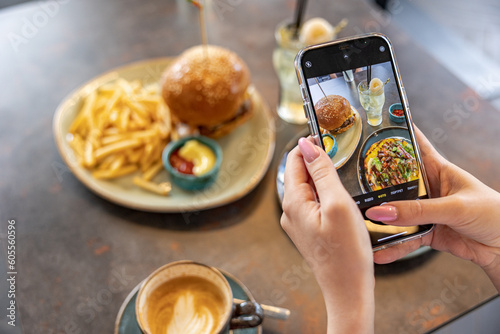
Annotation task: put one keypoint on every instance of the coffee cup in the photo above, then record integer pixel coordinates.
(190, 297)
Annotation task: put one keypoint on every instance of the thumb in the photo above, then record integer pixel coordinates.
(320, 169)
(441, 210)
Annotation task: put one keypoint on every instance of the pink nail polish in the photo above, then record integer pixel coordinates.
(384, 213)
(308, 150)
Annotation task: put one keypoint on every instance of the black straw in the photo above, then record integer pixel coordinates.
(368, 74)
(299, 14)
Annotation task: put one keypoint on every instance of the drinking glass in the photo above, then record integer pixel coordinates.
(372, 102)
(290, 106)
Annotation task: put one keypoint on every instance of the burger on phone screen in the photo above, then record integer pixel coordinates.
(334, 114)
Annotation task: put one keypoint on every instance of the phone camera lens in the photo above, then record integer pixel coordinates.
(308, 64)
(382, 48)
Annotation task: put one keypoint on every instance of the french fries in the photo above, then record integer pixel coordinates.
(122, 128)
(159, 188)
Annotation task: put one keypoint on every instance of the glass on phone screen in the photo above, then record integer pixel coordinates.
(360, 112)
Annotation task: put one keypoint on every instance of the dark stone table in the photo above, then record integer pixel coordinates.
(78, 255)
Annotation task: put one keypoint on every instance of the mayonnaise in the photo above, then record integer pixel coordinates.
(328, 143)
(202, 156)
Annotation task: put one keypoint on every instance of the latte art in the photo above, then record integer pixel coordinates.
(186, 319)
(186, 305)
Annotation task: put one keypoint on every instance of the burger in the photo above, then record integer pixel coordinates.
(206, 89)
(334, 114)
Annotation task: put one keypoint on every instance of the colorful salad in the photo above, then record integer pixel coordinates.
(389, 162)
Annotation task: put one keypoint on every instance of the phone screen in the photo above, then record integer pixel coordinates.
(356, 97)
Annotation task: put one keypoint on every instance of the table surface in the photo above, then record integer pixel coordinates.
(78, 256)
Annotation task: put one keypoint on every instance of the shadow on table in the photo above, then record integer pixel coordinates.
(211, 219)
(404, 265)
(390, 268)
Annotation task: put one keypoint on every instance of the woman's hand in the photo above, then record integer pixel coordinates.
(328, 229)
(466, 213)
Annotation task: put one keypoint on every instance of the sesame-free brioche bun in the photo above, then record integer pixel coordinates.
(206, 87)
(334, 114)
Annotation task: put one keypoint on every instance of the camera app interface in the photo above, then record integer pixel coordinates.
(364, 131)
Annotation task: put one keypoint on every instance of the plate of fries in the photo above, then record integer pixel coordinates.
(111, 133)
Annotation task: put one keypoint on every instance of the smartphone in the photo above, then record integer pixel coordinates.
(358, 112)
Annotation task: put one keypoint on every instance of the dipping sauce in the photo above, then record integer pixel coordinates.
(180, 164)
(327, 143)
(398, 112)
(193, 158)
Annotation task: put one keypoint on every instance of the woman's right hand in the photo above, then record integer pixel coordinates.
(466, 213)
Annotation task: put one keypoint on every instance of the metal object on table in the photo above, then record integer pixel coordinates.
(271, 311)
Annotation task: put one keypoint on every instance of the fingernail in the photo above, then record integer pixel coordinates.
(383, 213)
(308, 150)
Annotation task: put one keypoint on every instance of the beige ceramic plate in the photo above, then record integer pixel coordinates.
(347, 142)
(247, 152)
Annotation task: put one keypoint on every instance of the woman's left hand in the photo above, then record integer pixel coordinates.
(328, 229)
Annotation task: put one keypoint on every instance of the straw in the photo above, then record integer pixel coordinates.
(368, 74)
(203, 26)
(299, 14)
(320, 86)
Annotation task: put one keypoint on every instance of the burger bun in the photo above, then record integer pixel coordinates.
(206, 87)
(334, 114)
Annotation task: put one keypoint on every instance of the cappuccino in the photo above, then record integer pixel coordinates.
(188, 304)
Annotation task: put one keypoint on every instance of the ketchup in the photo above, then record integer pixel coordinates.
(398, 112)
(180, 164)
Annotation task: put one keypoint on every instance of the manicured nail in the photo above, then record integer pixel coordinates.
(383, 213)
(308, 150)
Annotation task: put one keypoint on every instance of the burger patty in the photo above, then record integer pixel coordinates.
(346, 123)
(244, 109)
